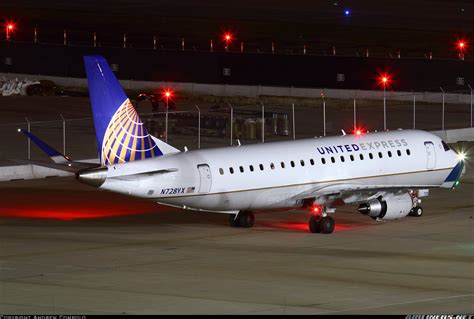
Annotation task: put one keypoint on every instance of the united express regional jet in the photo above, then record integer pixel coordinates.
(385, 173)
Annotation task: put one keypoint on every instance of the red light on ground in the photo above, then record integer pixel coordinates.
(358, 132)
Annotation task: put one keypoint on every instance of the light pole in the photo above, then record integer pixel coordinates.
(461, 47)
(324, 114)
(293, 119)
(64, 133)
(414, 111)
(199, 127)
(384, 81)
(263, 121)
(442, 118)
(470, 88)
(355, 115)
(227, 40)
(9, 30)
(231, 123)
(167, 97)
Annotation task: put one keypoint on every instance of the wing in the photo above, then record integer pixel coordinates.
(351, 193)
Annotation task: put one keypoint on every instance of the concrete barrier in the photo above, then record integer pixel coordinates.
(458, 135)
(257, 90)
(23, 172)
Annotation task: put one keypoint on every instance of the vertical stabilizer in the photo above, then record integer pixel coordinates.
(121, 135)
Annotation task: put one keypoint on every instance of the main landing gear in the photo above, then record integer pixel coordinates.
(243, 219)
(320, 224)
(320, 221)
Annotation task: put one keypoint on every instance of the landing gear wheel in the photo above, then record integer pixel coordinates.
(327, 225)
(315, 224)
(416, 211)
(246, 219)
(234, 220)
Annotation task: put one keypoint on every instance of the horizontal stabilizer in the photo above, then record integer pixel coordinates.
(72, 167)
(55, 155)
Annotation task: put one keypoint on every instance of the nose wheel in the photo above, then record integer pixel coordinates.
(323, 225)
(416, 211)
(243, 219)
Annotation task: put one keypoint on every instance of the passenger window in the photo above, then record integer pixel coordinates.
(241, 169)
(389, 154)
(251, 168)
(352, 158)
(342, 159)
(261, 167)
(361, 156)
(231, 170)
(399, 153)
(333, 159)
(408, 151)
(371, 156)
(272, 166)
(292, 164)
(311, 161)
(302, 163)
(282, 164)
(380, 155)
(221, 171)
(323, 160)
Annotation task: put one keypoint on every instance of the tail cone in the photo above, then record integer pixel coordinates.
(93, 177)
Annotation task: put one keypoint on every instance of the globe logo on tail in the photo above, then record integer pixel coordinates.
(126, 138)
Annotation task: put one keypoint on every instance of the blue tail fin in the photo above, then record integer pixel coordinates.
(121, 135)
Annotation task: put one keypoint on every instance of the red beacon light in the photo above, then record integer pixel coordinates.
(167, 94)
(316, 210)
(9, 28)
(358, 131)
(227, 37)
(461, 45)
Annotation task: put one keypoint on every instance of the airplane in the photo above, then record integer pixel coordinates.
(385, 173)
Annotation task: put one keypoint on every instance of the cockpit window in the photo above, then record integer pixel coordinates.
(446, 146)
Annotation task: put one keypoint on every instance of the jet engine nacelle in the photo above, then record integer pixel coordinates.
(389, 207)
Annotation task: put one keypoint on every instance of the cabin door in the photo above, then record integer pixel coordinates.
(206, 180)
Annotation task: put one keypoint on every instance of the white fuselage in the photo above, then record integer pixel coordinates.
(279, 174)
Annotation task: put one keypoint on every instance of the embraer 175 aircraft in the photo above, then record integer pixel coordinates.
(385, 173)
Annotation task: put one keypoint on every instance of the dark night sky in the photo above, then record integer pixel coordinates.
(407, 24)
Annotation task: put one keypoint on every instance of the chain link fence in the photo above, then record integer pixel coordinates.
(224, 124)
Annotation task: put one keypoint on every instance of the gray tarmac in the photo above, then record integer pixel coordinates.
(66, 248)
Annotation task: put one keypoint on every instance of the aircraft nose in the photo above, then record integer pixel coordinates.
(93, 177)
